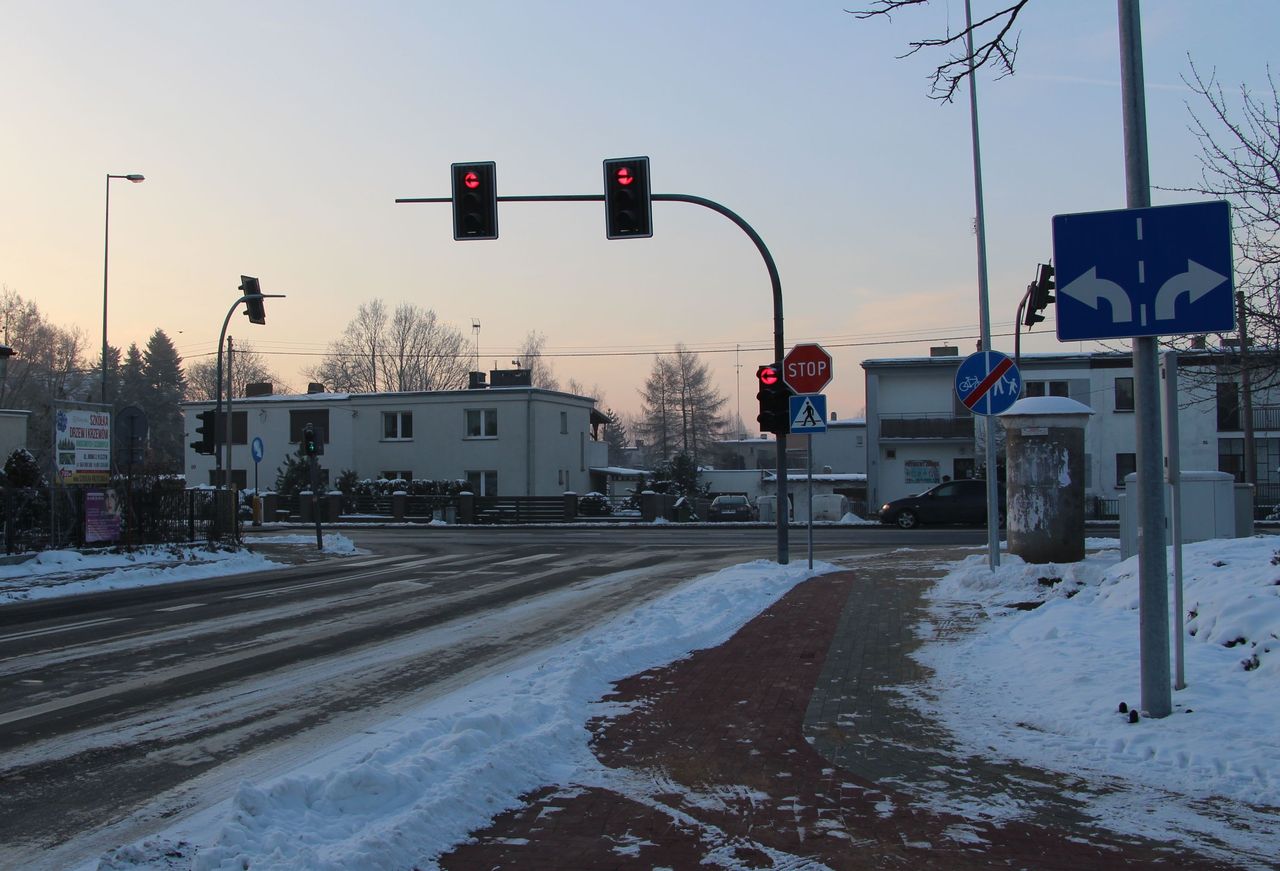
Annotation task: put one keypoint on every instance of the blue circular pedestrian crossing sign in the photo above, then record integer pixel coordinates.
(988, 382)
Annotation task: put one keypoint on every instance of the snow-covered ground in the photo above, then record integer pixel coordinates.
(1041, 686)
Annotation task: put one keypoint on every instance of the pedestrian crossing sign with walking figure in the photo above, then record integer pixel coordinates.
(808, 413)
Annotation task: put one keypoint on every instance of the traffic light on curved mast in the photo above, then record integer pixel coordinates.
(254, 307)
(1041, 294)
(628, 203)
(775, 400)
(475, 200)
(205, 444)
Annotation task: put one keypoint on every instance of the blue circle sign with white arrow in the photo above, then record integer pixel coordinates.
(1159, 271)
(988, 382)
(257, 449)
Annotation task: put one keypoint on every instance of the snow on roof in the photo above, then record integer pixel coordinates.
(1047, 405)
(618, 471)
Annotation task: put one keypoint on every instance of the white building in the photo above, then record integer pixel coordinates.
(508, 441)
(919, 432)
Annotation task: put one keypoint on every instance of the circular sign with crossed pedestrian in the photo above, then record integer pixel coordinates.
(988, 382)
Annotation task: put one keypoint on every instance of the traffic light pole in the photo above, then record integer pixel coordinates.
(783, 514)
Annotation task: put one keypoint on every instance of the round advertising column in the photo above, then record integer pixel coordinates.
(1044, 438)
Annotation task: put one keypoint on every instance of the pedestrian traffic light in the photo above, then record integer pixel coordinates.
(628, 207)
(310, 444)
(253, 306)
(475, 201)
(775, 400)
(206, 432)
(1039, 295)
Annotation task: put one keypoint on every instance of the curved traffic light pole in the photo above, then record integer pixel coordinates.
(782, 515)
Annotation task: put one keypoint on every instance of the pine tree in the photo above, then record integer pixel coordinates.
(165, 385)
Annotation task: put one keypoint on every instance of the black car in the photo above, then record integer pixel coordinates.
(730, 508)
(949, 502)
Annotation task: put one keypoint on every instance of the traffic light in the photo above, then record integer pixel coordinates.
(775, 400)
(628, 207)
(254, 308)
(310, 444)
(475, 201)
(1039, 295)
(206, 432)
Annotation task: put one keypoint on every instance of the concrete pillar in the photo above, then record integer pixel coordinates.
(333, 504)
(1044, 438)
(570, 506)
(650, 506)
(399, 501)
(270, 502)
(306, 504)
(466, 507)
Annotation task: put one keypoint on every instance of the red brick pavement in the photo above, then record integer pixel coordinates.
(710, 767)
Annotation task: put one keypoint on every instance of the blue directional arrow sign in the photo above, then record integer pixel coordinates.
(1160, 271)
(808, 413)
(988, 382)
(256, 448)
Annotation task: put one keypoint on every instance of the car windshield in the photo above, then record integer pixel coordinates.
(731, 500)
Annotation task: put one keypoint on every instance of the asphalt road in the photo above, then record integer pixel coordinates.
(120, 711)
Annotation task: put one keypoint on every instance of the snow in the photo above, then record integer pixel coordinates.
(1046, 405)
(1029, 664)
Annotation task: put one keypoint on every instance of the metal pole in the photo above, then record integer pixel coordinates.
(1153, 576)
(809, 450)
(1246, 395)
(1169, 360)
(993, 492)
(776, 283)
(106, 248)
(233, 507)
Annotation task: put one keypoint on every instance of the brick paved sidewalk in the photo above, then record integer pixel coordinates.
(787, 747)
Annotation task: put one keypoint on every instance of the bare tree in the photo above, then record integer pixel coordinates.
(992, 44)
(682, 408)
(407, 350)
(247, 367)
(1240, 162)
(532, 356)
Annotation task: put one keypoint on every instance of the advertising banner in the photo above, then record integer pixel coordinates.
(102, 520)
(922, 471)
(82, 446)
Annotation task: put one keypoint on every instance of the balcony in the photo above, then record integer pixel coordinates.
(935, 427)
(1266, 418)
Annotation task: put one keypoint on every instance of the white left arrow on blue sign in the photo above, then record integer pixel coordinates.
(1092, 290)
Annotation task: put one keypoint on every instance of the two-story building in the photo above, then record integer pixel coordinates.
(919, 433)
(508, 441)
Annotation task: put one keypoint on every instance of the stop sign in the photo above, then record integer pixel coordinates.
(807, 368)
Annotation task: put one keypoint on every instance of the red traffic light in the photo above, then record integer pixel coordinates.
(624, 176)
(768, 376)
(471, 180)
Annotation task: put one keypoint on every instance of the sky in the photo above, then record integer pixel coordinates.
(1035, 686)
(275, 138)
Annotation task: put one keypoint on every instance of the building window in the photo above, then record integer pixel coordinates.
(1228, 407)
(1126, 464)
(397, 425)
(483, 482)
(1124, 394)
(482, 423)
(239, 428)
(319, 421)
(564, 423)
(1046, 388)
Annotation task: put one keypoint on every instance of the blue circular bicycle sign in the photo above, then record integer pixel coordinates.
(988, 382)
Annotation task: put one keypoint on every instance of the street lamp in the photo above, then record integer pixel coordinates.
(106, 236)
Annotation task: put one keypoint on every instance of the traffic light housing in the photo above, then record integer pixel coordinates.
(475, 201)
(1039, 295)
(775, 400)
(310, 443)
(254, 309)
(628, 204)
(205, 430)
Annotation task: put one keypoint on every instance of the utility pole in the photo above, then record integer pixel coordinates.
(1246, 395)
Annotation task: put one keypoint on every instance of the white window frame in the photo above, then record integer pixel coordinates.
(486, 420)
(399, 417)
(484, 477)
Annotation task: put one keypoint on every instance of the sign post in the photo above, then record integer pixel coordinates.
(257, 449)
(807, 370)
(988, 382)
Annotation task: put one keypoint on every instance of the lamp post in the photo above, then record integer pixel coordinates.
(106, 249)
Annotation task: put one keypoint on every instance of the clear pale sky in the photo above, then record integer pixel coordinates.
(275, 137)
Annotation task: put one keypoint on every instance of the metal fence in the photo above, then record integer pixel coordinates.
(49, 518)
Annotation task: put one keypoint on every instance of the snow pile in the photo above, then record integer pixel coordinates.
(1042, 683)
(67, 572)
(465, 758)
(334, 542)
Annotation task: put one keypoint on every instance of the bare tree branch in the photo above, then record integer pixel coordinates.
(996, 50)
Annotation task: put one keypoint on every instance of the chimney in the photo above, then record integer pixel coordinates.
(258, 388)
(315, 387)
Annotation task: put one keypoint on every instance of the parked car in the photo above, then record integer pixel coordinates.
(948, 502)
(730, 508)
